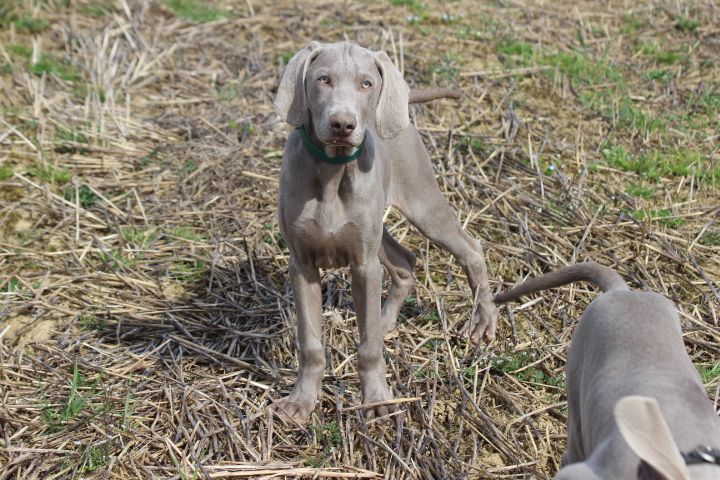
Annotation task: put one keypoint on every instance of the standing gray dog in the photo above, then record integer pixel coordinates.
(354, 154)
(635, 400)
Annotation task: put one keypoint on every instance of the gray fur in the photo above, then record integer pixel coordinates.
(627, 343)
(331, 215)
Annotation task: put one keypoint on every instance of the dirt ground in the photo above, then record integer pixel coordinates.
(146, 321)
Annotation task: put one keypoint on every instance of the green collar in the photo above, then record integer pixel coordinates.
(319, 153)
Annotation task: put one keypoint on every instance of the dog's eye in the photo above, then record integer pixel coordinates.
(366, 84)
(324, 79)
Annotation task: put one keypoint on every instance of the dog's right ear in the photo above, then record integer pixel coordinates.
(643, 427)
(290, 102)
(392, 114)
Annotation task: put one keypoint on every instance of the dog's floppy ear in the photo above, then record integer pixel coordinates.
(391, 115)
(290, 102)
(643, 427)
(577, 471)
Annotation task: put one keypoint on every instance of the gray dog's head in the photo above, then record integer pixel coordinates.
(339, 89)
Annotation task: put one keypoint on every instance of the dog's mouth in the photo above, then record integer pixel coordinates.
(341, 142)
(353, 140)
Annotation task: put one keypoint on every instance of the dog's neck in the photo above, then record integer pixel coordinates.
(335, 181)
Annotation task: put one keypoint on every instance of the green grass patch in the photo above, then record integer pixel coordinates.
(517, 365)
(707, 103)
(285, 57)
(12, 285)
(46, 64)
(189, 270)
(330, 437)
(654, 165)
(115, 260)
(687, 25)
(6, 172)
(228, 92)
(709, 372)
(127, 409)
(431, 316)
(86, 196)
(662, 76)
(418, 7)
(195, 10)
(631, 117)
(96, 9)
(70, 135)
(54, 419)
(139, 236)
(190, 166)
(579, 65)
(95, 457)
(632, 24)
(91, 322)
(648, 48)
(467, 144)
(187, 233)
(515, 53)
(582, 68)
(667, 57)
(663, 215)
(710, 239)
(31, 25)
(50, 174)
(640, 191)
(20, 50)
(448, 69)
(152, 157)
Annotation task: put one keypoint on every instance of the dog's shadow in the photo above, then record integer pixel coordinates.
(233, 315)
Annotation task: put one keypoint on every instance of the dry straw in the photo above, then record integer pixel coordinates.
(147, 322)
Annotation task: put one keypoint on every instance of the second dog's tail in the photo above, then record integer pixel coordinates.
(429, 94)
(603, 277)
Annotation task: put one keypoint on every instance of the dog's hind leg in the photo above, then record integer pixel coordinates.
(399, 262)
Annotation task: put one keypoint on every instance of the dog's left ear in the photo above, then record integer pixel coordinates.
(643, 427)
(290, 102)
(391, 116)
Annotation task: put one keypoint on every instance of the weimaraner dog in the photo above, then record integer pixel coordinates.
(354, 153)
(636, 405)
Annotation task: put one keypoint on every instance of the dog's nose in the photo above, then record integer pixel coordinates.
(343, 124)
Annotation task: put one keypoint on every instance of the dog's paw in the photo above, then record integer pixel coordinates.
(293, 409)
(374, 399)
(482, 325)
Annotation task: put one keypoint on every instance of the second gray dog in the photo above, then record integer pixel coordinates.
(354, 153)
(636, 405)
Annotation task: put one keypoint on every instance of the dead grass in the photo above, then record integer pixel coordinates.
(140, 154)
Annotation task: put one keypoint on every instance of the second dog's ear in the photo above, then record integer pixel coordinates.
(290, 102)
(643, 427)
(392, 109)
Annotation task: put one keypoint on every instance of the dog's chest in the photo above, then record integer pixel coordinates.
(333, 234)
(332, 216)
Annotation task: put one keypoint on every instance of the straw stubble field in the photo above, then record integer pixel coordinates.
(147, 321)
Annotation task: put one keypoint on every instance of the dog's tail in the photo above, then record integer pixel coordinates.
(603, 277)
(429, 94)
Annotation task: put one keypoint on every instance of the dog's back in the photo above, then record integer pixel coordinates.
(627, 343)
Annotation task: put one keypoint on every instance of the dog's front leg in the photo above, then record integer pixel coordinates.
(366, 290)
(305, 281)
